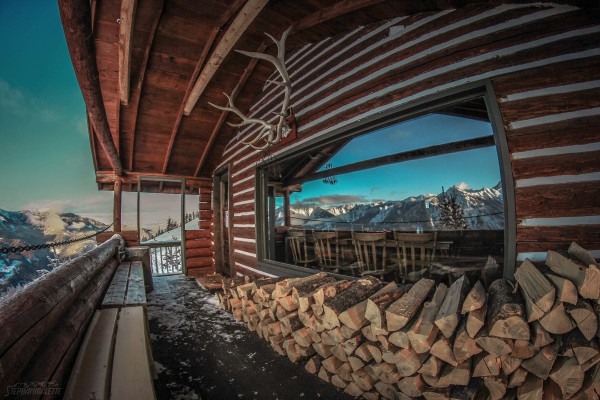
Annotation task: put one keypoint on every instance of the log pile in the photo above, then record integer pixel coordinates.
(536, 338)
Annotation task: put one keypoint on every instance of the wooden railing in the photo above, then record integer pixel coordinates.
(165, 257)
(43, 324)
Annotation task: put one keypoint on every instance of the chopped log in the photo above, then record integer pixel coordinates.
(353, 390)
(344, 371)
(376, 306)
(538, 293)
(586, 278)
(531, 389)
(400, 312)
(523, 349)
(509, 364)
(432, 393)
(338, 382)
(475, 299)
(541, 337)
(304, 288)
(355, 316)
(408, 362)
(331, 364)
(284, 287)
(582, 254)
(423, 332)
(363, 352)
(517, 378)
(339, 353)
(432, 366)
(551, 390)
(447, 317)
(322, 349)
(386, 372)
(496, 386)
(486, 365)
(476, 321)
(494, 345)
(359, 291)
(569, 376)
(442, 349)
(400, 338)
(584, 316)
(356, 363)
(464, 346)
(541, 364)
(505, 317)
(565, 289)
(459, 375)
(314, 364)
(557, 321)
(302, 337)
(412, 386)
(324, 375)
(580, 347)
(351, 344)
(389, 392)
(329, 291)
(364, 381)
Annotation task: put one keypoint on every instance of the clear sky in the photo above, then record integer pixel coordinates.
(45, 155)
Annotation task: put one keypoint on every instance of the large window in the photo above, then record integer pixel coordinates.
(425, 193)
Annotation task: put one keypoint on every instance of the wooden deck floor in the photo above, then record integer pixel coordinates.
(203, 353)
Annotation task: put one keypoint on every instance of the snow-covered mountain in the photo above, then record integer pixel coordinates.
(22, 228)
(483, 209)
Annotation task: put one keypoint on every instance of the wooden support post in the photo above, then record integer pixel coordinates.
(287, 216)
(118, 194)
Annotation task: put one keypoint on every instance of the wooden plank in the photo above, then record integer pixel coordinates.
(90, 377)
(115, 295)
(125, 32)
(136, 291)
(234, 32)
(131, 374)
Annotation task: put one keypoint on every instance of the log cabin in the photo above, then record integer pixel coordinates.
(245, 102)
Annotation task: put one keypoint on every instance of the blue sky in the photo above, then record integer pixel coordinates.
(472, 169)
(45, 151)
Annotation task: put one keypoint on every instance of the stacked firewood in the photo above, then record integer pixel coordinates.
(536, 338)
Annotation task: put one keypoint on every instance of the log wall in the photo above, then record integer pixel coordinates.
(199, 244)
(542, 61)
(43, 324)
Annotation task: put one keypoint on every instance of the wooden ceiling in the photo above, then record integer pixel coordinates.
(149, 58)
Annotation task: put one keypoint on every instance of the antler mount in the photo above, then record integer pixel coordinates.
(270, 133)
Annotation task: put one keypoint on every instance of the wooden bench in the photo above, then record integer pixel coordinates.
(115, 358)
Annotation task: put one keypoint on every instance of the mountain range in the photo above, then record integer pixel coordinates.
(482, 209)
(23, 228)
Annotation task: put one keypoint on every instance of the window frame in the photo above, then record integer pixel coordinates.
(427, 104)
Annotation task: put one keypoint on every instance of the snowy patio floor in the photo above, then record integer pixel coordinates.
(202, 352)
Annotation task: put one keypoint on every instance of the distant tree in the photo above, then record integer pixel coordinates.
(452, 216)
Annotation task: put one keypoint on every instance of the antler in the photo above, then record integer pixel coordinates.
(269, 132)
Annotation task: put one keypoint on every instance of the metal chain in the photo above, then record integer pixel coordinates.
(20, 249)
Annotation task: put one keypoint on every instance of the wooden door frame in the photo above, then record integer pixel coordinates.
(221, 176)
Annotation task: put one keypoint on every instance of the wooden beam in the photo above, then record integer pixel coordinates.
(445, 148)
(117, 204)
(199, 65)
(107, 177)
(326, 14)
(135, 100)
(235, 31)
(126, 22)
(76, 20)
